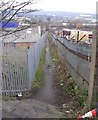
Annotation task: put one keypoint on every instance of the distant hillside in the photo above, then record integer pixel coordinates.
(58, 13)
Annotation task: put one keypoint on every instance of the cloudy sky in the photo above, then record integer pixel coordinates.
(88, 6)
(68, 5)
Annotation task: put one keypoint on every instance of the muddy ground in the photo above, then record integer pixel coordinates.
(55, 92)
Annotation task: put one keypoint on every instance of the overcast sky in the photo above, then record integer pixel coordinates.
(88, 6)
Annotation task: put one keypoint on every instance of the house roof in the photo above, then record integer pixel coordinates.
(10, 24)
(29, 35)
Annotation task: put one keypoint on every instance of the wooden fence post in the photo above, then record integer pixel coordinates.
(93, 83)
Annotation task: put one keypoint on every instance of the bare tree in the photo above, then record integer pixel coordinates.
(8, 12)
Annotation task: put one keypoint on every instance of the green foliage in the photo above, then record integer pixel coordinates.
(54, 55)
(8, 98)
(39, 76)
(61, 77)
(80, 95)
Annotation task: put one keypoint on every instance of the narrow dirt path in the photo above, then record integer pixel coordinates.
(44, 101)
(58, 91)
(47, 93)
(42, 104)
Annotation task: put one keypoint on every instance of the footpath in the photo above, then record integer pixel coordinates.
(42, 105)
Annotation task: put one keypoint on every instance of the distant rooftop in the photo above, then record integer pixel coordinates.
(82, 15)
(10, 24)
(29, 35)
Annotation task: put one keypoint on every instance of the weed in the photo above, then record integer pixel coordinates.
(39, 76)
(8, 98)
(80, 95)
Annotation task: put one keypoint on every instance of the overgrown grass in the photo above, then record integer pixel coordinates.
(71, 86)
(5, 98)
(53, 51)
(80, 93)
(39, 76)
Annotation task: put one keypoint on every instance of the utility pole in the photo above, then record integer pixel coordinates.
(93, 83)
